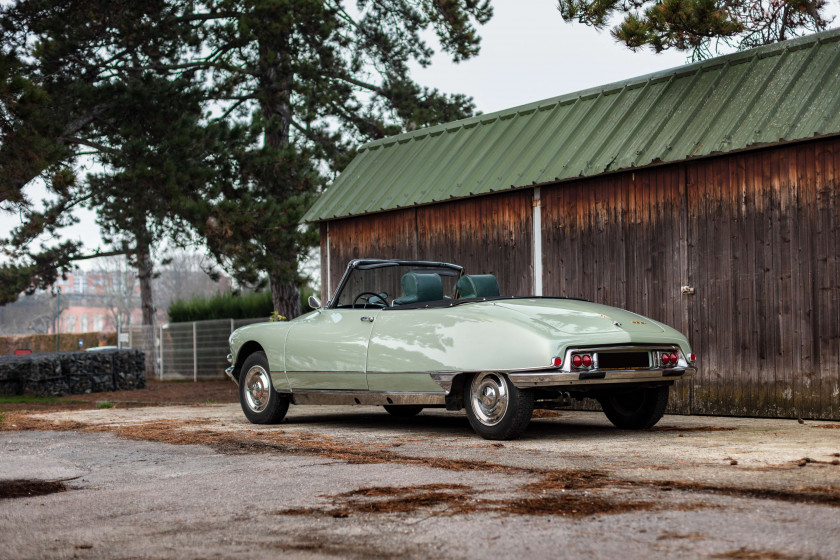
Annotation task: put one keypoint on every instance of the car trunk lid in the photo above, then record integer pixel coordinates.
(580, 317)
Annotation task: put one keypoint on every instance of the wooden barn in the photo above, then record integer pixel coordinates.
(704, 196)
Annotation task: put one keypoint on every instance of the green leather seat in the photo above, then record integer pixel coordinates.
(478, 285)
(420, 287)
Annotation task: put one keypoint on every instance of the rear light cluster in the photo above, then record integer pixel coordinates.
(667, 359)
(582, 361)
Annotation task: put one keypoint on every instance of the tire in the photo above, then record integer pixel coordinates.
(496, 409)
(260, 402)
(403, 410)
(636, 409)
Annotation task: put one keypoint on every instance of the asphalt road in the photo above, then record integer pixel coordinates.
(200, 482)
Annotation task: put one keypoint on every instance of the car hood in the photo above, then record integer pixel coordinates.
(581, 317)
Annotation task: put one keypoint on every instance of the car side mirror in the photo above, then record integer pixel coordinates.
(314, 303)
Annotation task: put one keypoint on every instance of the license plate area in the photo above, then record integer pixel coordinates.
(624, 360)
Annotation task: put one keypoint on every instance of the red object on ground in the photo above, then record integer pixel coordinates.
(22, 351)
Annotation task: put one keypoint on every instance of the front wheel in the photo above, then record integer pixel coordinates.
(635, 409)
(260, 402)
(497, 409)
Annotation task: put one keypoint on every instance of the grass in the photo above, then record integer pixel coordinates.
(105, 404)
(15, 399)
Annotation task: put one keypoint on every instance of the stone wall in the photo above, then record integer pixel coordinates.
(68, 373)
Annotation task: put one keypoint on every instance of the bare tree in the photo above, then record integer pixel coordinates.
(185, 275)
(116, 282)
(28, 315)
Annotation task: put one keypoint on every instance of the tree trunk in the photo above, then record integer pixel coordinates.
(145, 271)
(285, 296)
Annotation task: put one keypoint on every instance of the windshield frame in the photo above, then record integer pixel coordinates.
(367, 264)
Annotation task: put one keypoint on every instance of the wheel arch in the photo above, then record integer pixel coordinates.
(245, 350)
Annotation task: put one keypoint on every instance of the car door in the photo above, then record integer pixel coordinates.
(327, 349)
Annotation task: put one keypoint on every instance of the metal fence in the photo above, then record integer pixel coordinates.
(194, 350)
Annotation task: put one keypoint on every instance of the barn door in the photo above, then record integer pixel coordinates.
(621, 240)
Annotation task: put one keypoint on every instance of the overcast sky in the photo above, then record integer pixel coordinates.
(528, 53)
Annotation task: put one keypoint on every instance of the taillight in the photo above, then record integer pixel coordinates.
(669, 359)
(692, 358)
(557, 361)
(582, 361)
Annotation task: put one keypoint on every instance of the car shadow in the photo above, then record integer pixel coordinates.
(431, 424)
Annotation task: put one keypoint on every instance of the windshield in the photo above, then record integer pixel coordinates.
(381, 284)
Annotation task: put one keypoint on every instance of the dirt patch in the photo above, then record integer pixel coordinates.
(156, 393)
(828, 426)
(692, 429)
(750, 554)
(810, 494)
(572, 506)
(545, 413)
(22, 488)
(559, 481)
(458, 499)
(668, 535)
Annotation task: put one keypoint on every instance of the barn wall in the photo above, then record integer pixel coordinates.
(474, 233)
(757, 234)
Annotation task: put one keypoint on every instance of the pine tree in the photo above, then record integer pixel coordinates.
(699, 25)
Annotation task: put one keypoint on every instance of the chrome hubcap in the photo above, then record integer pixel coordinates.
(490, 398)
(257, 388)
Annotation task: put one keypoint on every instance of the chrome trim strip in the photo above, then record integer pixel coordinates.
(562, 378)
(322, 396)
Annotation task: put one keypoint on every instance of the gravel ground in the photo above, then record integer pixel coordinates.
(200, 482)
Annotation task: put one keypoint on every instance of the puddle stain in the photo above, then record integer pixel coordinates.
(24, 488)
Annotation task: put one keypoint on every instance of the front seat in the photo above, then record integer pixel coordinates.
(420, 287)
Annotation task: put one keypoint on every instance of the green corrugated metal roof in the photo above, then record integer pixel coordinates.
(773, 94)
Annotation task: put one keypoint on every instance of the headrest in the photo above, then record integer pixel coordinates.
(427, 287)
(478, 285)
(420, 287)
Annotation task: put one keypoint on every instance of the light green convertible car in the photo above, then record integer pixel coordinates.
(409, 335)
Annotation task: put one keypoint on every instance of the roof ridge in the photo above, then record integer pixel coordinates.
(763, 51)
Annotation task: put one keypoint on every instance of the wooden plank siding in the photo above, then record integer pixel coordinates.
(486, 235)
(756, 233)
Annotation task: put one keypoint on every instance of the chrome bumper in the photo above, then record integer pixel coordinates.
(598, 377)
(229, 371)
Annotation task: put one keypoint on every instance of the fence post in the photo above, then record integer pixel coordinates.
(231, 325)
(160, 349)
(195, 356)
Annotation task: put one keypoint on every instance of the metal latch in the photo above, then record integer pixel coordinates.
(368, 319)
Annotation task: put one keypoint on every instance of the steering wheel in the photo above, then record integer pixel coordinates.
(383, 296)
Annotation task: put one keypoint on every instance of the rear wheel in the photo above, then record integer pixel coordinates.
(497, 409)
(635, 409)
(403, 410)
(260, 402)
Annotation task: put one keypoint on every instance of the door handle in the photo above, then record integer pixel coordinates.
(368, 319)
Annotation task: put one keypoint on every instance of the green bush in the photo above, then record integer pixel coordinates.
(221, 306)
